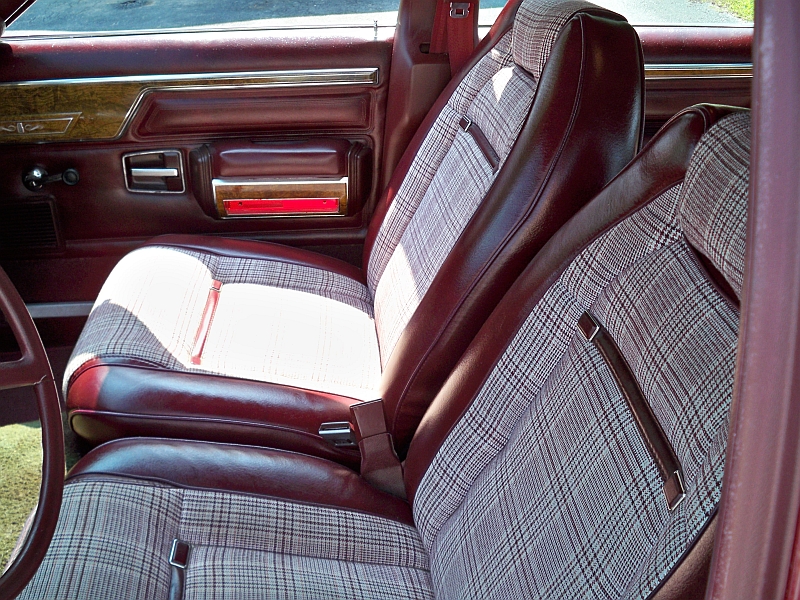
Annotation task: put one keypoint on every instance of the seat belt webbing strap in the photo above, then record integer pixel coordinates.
(455, 31)
(379, 463)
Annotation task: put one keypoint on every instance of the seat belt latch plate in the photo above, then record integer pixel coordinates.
(179, 554)
(338, 433)
(459, 10)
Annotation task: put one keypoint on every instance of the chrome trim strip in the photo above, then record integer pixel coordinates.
(235, 181)
(51, 310)
(222, 183)
(153, 172)
(654, 72)
(362, 76)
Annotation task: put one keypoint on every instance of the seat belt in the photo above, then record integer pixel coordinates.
(178, 560)
(379, 463)
(455, 31)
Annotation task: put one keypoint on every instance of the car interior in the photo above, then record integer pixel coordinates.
(433, 305)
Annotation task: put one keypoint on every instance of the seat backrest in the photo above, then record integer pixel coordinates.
(549, 109)
(529, 475)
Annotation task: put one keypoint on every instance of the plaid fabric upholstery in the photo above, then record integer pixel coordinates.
(536, 28)
(449, 177)
(116, 534)
(299, 326)
(276, 322)
(557, 495)
(707, 211)
(425, 221)
(428, 159)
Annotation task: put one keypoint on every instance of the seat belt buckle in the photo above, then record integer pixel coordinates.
(338, 433)
(459, 10)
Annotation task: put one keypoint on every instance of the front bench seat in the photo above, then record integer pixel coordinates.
(527, 477)
(259, 343)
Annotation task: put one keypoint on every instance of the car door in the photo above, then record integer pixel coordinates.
(137, 118)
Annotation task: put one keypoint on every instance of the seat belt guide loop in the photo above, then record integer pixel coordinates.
(459, 10)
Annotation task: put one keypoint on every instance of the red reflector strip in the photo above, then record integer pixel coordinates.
(205, 321)
(281, 206)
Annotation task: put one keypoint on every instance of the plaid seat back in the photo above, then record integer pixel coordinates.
(544, 487)
(450, 175)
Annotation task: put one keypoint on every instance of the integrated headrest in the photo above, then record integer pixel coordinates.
(713, 204)
(536, 28)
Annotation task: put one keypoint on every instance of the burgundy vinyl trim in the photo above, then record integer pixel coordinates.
(235, 468)
(756, 555)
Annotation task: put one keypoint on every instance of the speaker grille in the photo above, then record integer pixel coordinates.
(28, 226)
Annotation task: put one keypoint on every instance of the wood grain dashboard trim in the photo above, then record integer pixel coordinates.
(101, 108)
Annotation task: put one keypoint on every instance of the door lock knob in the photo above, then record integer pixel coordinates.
(36, 178)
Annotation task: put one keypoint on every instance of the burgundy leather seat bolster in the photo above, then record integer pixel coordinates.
(661, 165)
(243, 469)
(109, 400)
(689, 579)
(563, 156)
(501, 26)
(258, 250)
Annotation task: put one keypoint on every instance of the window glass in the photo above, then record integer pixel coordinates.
(46, 16)
(488, 11)
(658, 12)
(683, 12)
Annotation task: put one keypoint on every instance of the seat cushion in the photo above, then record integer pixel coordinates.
(326, 534)
(275, 321)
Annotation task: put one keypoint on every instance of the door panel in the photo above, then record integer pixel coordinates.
(205, 113)
(687, 65)
(86, 102)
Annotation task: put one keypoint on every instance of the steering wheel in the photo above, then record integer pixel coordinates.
(33, 370)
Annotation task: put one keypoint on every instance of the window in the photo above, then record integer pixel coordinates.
(657, 12)
(46, 16)
(683, 12)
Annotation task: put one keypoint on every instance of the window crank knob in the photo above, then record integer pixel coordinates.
(35, 179)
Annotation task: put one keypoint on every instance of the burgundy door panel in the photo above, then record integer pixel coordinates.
(210, 51)
(181, 91)
(688, 65)
(223, 113)
(701, 45)
(100, 210)
(235, 158)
